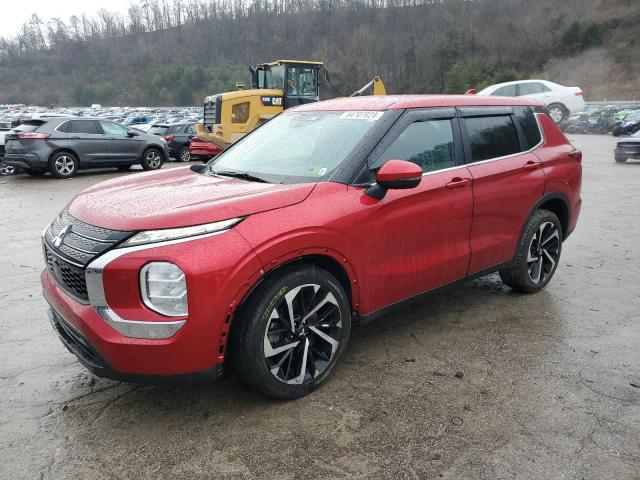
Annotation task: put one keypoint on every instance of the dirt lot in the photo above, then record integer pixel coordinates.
(478, 382)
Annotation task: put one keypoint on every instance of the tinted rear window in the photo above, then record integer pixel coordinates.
(492, 137)
(28, 126)
(82, 126)
(529, 126)
(158, 130)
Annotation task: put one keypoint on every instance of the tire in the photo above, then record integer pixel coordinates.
(535, 262)
(621, 159)
(262, 332)
(63, 165)
(617, 131)
(184, 155)
(557, 112)
(152, 159)
(7, 170)
(36, 173)
(123, 168)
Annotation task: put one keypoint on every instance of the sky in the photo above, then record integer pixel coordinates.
(15, 13)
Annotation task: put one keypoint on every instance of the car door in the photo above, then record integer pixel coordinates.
(86, 140)
(535, 91)
(122, 147)
(417, 239)
(507, 181)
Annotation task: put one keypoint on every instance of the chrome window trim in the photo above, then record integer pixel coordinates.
(535, 147)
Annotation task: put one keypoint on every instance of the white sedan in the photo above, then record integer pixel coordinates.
(561, 101)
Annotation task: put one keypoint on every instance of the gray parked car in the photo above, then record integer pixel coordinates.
(62, 146)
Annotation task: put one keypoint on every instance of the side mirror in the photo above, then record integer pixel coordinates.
(198, 167)
(132, 134)
(393, 175)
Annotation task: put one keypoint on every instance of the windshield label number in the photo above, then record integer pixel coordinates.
(371, 116)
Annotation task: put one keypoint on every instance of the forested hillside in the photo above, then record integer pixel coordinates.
(173, 52)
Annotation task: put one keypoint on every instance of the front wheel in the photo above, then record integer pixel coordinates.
(151, 159)
(621, 159)
(291, 333)
(537, 255)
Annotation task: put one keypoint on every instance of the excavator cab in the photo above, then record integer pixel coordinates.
(298, 80)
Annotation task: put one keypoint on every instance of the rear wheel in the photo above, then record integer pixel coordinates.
(557, 112)
(291, 333)
(63, 165)
(537, 255)
(7, 170)
(151, 159)
(184, 155)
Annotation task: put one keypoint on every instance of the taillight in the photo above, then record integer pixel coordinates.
(33, 136)
(168, 138)
(578, 93)
(576, 155)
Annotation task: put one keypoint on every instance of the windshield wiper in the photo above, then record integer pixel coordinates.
(241, 175)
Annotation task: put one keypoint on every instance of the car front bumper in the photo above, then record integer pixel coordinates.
(116, 336)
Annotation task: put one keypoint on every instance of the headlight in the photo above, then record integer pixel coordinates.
(153, 236)
(164, 288)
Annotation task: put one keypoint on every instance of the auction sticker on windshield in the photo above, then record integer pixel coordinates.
(364, 115)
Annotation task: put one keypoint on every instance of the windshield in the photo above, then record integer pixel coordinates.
(297, 147)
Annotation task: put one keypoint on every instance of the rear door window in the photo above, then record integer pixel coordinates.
(83, 126)
(531, 88)
(491, 137)
(428, 144)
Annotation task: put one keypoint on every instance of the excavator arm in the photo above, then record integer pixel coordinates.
(378, 88)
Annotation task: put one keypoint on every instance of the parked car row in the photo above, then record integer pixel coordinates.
(62, 146)
(102, 145)
(605, 120)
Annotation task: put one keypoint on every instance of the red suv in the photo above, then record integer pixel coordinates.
(328, 215)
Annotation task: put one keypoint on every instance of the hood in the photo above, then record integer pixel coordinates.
(178, 197)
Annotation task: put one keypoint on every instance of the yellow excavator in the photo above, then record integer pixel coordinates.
(275, 87)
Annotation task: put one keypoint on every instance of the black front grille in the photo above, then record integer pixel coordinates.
(75, 342)
(69, 246)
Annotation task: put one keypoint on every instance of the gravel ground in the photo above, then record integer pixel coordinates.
(478, 382)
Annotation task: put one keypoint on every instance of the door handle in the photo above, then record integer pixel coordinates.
(531, 165)
(458, 182)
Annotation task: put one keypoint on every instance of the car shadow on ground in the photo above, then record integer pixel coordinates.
(456, 314)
